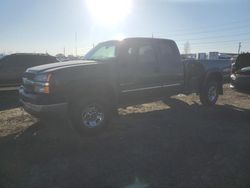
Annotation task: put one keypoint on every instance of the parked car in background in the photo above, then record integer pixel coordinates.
(114, 74)
(13, 66)
(240, 77)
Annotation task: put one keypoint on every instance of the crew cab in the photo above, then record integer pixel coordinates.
(13, 66)
(115, 74)
(240, 77)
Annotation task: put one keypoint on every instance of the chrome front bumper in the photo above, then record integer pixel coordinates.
(52, 108)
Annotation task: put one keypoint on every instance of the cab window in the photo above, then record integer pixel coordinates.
(146, 54)
(103, 51)
(138, 53)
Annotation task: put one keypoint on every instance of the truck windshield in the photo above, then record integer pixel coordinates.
(103, 51)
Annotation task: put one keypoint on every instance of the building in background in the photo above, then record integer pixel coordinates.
(62, 57)
(210, 56)
(188, 56)
(213, 55)
(228, 56)
(202, 56)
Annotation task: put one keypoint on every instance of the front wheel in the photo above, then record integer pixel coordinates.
(209, 93)
(90, 116)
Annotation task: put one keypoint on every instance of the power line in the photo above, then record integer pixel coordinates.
(217, 36)
(214, 42)
(204, 32)
(228, 27)
(235, 22)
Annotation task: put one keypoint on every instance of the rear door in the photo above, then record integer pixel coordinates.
(171, 71)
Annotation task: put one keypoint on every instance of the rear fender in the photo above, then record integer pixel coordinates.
(216, 75)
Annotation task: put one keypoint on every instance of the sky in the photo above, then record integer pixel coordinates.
(54, 25)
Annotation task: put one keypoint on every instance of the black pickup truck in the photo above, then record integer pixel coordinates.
(13, 66)
(114, 74)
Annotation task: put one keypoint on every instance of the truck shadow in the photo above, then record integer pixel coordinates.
(184, 143)
(218, 112)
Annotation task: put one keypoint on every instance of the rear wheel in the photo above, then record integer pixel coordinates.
(210, 93)
(90, 115)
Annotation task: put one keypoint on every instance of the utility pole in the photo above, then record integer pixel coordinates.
(64, 51)
(76, 43)
(187, 48)
(239, 47)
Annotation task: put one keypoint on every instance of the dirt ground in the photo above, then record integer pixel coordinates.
(175, 143)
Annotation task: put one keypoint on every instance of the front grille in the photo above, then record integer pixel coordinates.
(28, 88)
(28, 84)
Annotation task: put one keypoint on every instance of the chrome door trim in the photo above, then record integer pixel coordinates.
(149, 88)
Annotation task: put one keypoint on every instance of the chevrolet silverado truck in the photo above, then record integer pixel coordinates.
(117, 74)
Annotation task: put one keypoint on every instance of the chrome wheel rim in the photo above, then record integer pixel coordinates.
(212, 93)
(92, 116)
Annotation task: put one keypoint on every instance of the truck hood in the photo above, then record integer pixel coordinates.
(59, 65)
(244, 71)
(242, 61)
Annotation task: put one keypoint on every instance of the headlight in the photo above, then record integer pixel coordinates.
(42, 77)
(41, 83)
(42, 88)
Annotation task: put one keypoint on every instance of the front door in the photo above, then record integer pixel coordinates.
(138, 70)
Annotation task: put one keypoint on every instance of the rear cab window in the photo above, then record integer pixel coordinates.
(138, 52)
(167, 52)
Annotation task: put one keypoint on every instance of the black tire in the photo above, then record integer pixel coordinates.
(209, 93)
(81, 115)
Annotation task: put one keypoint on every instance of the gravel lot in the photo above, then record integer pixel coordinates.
(175, 143)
